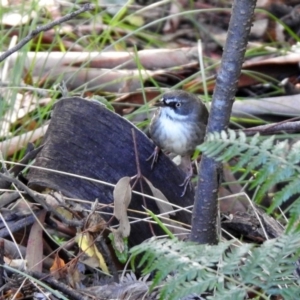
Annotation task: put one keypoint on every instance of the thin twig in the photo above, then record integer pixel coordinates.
(139, 176)
(285, 126)
(136, 154)
(46, 27)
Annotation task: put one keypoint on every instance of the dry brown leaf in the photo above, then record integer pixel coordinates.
(34, 251)
(57, 266)
(122, 198)
(164, 206)
(166, 209)
(95, 223)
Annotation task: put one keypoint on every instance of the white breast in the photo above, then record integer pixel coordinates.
(175, 132)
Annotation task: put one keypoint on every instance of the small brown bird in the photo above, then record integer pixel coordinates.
(178, 126)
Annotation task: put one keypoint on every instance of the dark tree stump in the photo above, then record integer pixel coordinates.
(86, 139)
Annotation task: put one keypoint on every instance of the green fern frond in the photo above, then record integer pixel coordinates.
(273, 162)
(293, 154)
(277, 266)
(288, 191)
(224, 270)
(294, 218)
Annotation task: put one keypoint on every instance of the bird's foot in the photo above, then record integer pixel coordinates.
(186, 166)
(186, 182)
(154, 156)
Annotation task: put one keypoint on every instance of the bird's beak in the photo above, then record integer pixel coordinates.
(159, 104)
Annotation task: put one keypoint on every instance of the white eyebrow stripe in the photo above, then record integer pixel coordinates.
(170, 100)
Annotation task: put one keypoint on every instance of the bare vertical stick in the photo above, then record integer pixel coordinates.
(204, 219)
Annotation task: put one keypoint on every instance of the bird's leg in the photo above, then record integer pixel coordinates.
(154, 156)
(186, 166)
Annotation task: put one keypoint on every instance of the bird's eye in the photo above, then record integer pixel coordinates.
(178, 104)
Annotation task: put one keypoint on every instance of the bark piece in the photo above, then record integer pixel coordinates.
(247, 225)
(86, 139)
